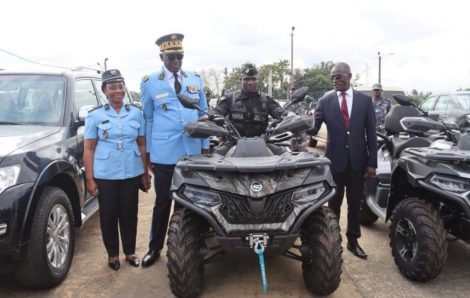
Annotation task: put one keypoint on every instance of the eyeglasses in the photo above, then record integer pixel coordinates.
(336, 77)
(173, 57)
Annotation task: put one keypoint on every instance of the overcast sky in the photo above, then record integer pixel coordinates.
(430, 42)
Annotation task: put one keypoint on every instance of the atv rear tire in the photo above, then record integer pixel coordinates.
(51, 244)
(185, 264)
(366, 216)
(418, 240)
(321, 252)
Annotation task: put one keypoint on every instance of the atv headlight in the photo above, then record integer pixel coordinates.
(450, 184)
(309, 194)
(8, 176)
(201, 196)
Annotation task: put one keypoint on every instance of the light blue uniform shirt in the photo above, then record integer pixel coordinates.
(166, 117)
(117, 155)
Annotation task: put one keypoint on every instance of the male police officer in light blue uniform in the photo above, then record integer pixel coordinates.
(115, 160)
(166, 139)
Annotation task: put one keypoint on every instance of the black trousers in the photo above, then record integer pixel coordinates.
(118, 200)
(353, 181)
(161, 209)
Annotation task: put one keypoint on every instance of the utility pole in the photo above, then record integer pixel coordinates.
(270, 83)
(291, 60)
(380, 68)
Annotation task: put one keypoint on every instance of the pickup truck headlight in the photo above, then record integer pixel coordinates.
(8, 176)
(450, 184)
(202, 197)
(309, 194)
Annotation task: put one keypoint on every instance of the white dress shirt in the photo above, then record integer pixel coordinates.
(349, 99)
(170, 78)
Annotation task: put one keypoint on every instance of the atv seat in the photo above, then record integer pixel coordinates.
(392, 120)
(400, 144)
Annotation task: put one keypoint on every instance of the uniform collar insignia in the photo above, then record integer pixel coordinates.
(184, 74)
(161, 76)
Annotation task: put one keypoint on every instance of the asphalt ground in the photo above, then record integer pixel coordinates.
(239, 275)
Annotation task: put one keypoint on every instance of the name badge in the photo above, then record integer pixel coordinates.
(160, 96)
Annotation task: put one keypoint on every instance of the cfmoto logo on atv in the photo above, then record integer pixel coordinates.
(256, 187)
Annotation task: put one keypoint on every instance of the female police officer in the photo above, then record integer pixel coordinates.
(115, 165)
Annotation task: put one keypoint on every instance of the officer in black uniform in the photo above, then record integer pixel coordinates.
(248, 109)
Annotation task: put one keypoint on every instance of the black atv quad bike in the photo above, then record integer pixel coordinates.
(423, 187)
(248, 199)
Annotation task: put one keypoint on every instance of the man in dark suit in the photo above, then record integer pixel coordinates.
(351, 146)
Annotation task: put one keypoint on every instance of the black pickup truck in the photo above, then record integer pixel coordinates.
(42, 187)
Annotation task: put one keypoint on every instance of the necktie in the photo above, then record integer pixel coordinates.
(177, 84)
(344, 110)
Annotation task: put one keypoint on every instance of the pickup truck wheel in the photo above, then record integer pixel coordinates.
(366, 216)
(321, 252)
(185, 263)
(50, 251)
(418, 240)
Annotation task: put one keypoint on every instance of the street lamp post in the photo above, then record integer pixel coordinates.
(291, 58)
(380, 65)
(380, 68)
(105, 66)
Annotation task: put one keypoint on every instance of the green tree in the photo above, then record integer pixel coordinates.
(232, 81)
(316, 78)
(280, 71)
(418, 96)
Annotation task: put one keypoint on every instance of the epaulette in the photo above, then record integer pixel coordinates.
(95, 108)
(136, 105)
(161, 76)
(145, 78)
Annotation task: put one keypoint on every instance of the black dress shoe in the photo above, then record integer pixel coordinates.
(114, 264)
(356, 250)
(133, 261)
(150, 257)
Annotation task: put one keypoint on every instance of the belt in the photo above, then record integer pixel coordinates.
(118, 145)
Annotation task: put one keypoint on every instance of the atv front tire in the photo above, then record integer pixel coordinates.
(185, 264)
(418, 240)
(321, 252)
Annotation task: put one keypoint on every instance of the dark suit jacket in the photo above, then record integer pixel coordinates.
(359, 143)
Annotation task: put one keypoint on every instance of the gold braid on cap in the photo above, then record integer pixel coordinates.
(173, 45)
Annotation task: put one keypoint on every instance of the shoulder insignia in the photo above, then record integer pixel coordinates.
(106, 107)
(193, 89)
(161, 76)
(95, 108)
(145, 78)
(136, 105)
(197, 74)
(184, 74)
